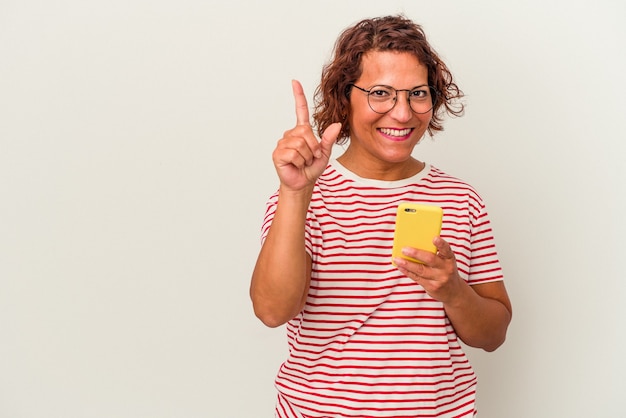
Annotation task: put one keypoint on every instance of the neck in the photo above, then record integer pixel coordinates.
(381, 170)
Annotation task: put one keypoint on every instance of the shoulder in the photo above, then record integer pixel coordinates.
(442, 180)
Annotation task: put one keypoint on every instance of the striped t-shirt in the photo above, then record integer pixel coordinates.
(369, 341)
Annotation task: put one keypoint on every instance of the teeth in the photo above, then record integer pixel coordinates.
(395, 132)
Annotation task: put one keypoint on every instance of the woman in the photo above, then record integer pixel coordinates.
(367, 338)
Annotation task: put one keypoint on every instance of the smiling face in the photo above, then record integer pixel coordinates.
(381, 144)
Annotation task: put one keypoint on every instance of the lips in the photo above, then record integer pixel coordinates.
(396, 134)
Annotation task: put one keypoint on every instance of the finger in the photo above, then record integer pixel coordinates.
(290, 156)
(329, 137)
(303, 138)
(302, 107)
(300, 144)
(416, 272)
(443, 248)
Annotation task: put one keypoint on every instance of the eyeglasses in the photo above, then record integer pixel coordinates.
(383, 98)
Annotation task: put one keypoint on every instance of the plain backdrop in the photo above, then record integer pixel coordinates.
(135, 162)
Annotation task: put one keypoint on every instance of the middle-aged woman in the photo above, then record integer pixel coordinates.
(367, 338)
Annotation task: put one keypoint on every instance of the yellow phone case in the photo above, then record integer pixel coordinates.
(416, 226)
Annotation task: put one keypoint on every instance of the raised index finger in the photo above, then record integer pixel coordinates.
(302, 108)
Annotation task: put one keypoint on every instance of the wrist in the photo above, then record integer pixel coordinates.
(460, 296)
(304, 193)
(294, 202)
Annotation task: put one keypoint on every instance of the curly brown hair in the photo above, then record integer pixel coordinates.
(388, 33)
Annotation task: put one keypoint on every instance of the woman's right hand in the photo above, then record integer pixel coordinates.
(299, 157)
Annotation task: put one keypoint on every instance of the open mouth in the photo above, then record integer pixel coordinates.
(397, 134)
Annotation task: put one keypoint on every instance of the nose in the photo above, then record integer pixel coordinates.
(402, 111)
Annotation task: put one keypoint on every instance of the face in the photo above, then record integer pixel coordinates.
(385, 141)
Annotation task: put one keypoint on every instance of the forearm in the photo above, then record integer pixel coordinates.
(480, 315)
(281, 276)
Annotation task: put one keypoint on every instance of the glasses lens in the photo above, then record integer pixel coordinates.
(381, 98)
(422, 99)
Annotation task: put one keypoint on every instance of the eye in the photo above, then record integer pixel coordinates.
(381, 92)
(420, 93)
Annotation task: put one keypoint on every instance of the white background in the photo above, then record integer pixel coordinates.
(135, 161)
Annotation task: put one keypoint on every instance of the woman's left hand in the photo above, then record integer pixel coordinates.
(438, 274)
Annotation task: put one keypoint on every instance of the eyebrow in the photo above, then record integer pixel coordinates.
(387, 85)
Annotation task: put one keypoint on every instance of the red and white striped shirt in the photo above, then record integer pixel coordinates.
(370, 342)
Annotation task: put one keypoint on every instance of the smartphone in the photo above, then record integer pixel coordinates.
(416, 226)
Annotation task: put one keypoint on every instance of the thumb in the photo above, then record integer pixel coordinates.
(329, 137)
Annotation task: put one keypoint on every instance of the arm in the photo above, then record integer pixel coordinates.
(281, 277)
(280, 280)
(480, 314)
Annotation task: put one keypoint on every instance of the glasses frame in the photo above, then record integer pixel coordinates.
(433, 94)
